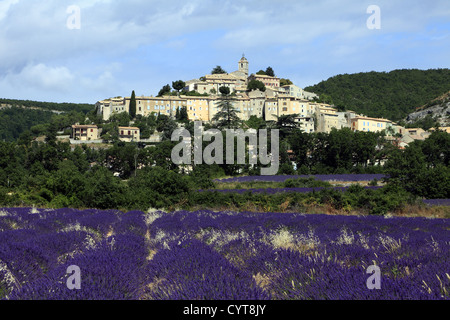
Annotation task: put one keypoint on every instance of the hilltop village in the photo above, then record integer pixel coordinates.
(274, 97)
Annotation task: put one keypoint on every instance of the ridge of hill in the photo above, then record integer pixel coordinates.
(392, 95)
(47, 106)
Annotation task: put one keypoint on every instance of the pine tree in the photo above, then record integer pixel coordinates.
(227, 116)
(270, 72)
(133, 105)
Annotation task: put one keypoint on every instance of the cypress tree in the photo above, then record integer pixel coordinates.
(133, 105)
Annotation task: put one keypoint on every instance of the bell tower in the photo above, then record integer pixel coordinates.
(243, 65)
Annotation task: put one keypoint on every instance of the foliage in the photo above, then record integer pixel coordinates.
(157, 188)
(269, 71)
(49, 106)
(392, 95)
(178, 85)
(132, 110)
(166, 125)
(218, 70)
(227, 116)
(224, 90)
(256, 85)
(165, 90)
(285, 82)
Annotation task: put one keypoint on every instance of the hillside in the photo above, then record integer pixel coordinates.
(437, 110)
(19, 116)
(48, 106)
(14, 121)
(391, 95)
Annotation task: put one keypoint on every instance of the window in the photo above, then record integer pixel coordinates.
(92, 130)
(284, 108)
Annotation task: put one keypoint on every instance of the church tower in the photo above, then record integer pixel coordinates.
(243, 65)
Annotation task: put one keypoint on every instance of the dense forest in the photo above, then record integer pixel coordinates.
(392, 95)
(14, 121)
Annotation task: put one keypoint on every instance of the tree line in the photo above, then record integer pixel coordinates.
(128, 175)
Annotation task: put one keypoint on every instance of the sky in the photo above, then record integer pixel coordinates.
(89, 50)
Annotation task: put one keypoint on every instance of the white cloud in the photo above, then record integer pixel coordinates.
(4, 7)
(42, 77)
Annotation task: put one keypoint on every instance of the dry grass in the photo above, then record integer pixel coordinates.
(424, 211)
(262, 281)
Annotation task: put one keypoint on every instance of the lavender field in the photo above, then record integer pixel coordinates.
(220, 255)
(322, 177)
(281, 190)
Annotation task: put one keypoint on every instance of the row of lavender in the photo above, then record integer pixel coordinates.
(281, 190)
(220, 255)
(322, 177)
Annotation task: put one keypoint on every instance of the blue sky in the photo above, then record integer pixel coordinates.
(142, 45)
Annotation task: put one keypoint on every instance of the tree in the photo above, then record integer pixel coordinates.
(156, 187)
(270, 72)
(102, 190)
(255, 123)
(256, 85)
(133, 105)
(261, 73)
(436, 148)
(166, 125)
(286, 124)
(218, 70)
(285, 82)
(184, 114)
(164, 90)
(224, 90)
(178, 85)
(227, 116)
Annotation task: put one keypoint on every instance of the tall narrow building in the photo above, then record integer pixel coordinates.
(243, 65)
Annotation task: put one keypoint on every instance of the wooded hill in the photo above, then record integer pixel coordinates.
(392, 95)
(19, 116)
(50, 106)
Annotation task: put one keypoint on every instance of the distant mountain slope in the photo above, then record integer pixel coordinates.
(437, 110)
(50, 106)
(391, 95)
